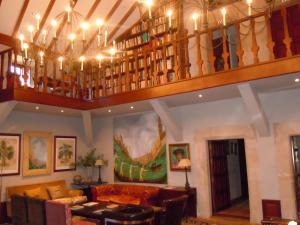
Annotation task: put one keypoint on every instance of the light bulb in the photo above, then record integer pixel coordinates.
(100, 22)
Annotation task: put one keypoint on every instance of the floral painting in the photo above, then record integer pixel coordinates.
(64, 153)
(140, 149)
(10, 154)
(37, 153)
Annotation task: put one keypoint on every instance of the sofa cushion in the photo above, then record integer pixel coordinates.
(125, 199)
(72, 200)
(36, 193)
(56, 192)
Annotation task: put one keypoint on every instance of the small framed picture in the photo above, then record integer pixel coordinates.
(64, 153)
(178, 152)
(10, 148)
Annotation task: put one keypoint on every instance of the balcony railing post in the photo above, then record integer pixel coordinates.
(211, 50)
(287, 39)
(240, 51)
(255, 47)
(199, 55)
(127, 74)
(270, 41)
(36, 74)
(2, 71)
(225, 53)
(186, 62)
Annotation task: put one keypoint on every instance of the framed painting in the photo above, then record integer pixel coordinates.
(178, 152)
(64, 153)
(10, 148)
(37, 153)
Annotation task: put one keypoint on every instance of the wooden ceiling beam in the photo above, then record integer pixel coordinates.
(44, 19)
(108, 16)
(60, 28)
(20, 18)
(7, 40)
(122, 21)
(87, 17)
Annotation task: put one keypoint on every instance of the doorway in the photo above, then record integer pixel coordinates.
(229, 182)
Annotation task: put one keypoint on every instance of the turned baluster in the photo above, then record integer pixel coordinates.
(2, 72)
(54, 81)
(127, 74)
(255, 47)
(13, 80)
(165, 65)
(145, 75)
(287, 39)
(211, 51)
(97, 82)
(136, 70)
(199, 60)
(270, 43)
(63, 83)
(45, 77)
(72, 86)
(240, 51)
(36, 74)
(187, 58)
(78, 85)
(153, 55)
(176, 66)
(225, 53)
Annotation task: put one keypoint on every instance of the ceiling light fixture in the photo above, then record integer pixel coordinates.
(109, 110)
(62, 111)
(37, 107)
(131, 107)
(297, 80)
(200, 95)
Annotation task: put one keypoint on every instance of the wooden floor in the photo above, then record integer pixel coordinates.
(240, 210)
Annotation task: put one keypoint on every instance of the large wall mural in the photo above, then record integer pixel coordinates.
(140, 149)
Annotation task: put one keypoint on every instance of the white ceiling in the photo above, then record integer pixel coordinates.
(261, 86)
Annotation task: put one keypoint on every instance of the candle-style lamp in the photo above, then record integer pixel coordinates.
(99, 163)
(21, 38)
(149, 4)
(195, 17)
(72, 38)
(99, 58)
(249, 3)
(42, 57)
(169, 15)
(38, 20)
(31, 29)
(84, 26)
(81, 59)
(99, 23)
(54, 25)
(60, 60)
(223, 12)
(292, 223)
(25, 47)
(185, 164)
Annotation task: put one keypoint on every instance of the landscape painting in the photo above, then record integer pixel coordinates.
(37, 153)
(10, 145)
(140, 149)
(64, 153)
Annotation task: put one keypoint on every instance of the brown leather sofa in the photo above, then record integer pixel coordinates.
(126, 194)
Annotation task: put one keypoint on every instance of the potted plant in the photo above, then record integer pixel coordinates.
(88, 162)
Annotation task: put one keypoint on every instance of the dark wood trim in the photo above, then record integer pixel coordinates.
(7, 40)
(20, 18)
(108, 16)
(19, 159)
(271, 208)
(54, 153)
(44, 19)
(122, 21)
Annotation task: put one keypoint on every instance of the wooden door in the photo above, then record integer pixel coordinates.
(220, 191)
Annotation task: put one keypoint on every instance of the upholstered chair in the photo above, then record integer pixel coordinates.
(19, 210)
(174, 209)
(36, 211)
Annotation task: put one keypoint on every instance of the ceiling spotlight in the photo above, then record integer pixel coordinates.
(109, 110)
(62, 111)
(37, 107)
(200, 95)
(131, 107)
(297, 80)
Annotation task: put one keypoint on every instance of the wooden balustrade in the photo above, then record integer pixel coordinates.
(156, 64)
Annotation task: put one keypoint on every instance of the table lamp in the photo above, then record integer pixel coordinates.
(185, 164)
(99, 163)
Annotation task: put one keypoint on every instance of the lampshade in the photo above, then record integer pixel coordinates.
(99, 162)
(292, 223)
(184, 163)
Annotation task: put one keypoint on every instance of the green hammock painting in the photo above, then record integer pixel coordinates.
(147, 164)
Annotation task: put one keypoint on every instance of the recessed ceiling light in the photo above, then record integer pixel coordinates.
(131, 107)
(200, 95)
(37, 107)
(109, 110)
(62, 111)
(297, 80)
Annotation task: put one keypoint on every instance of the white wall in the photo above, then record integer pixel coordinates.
(18, 122)
(279, 107)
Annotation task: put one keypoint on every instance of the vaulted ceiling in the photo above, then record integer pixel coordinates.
(16, 15)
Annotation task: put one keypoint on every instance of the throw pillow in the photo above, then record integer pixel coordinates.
(56, 192)
(34, 193)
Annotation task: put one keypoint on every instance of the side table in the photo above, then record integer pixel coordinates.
(87, 188)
